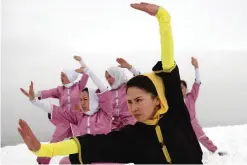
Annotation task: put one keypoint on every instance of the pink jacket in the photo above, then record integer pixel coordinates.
(121, 114)
(98, 123)
(190, 100)
(68, 97)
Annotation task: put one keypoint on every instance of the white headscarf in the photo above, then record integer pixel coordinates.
(72, 76)
(118, 74)
(93, 102)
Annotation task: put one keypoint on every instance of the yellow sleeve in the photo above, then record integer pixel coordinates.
(167, 56)
(58, 149)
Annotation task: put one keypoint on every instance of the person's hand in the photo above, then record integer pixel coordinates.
(77, 58)
(194, 62)
(27, 135)
(149, 8)
(123, 63)
(80, 70)
(30, 94)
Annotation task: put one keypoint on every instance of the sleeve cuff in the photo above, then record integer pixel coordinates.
(87, 71)
(162, 15)
(37, 94)
(134, 71)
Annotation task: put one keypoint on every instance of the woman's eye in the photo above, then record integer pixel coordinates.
(138, 100)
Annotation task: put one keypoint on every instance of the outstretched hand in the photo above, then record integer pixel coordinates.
(30, 94)
(194, 62)
(80, 70)
(77, 58)
(149, 8)
(123, 63)
(27, 135)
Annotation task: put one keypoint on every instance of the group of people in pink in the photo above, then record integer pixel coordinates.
(83, 110)
(108, 112)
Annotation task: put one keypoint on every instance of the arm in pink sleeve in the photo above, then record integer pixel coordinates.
(195, 90)
(50, 93)
(84, 78)
(83, 81)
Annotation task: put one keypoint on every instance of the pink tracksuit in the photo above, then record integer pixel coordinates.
(98, 123)
(190, 101)
(63, 115)
(121, 114)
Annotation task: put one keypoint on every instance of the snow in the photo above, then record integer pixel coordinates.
(232, 139)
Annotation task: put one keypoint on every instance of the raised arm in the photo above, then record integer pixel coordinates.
(124, 64)
(167, 55)
(84, 78)
(196, 86)
(100, 85)
(87, 71)
(83, 81)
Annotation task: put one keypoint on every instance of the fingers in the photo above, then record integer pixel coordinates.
(144, 3)
(27, 135)
(120, 60)
(80, 70)
(77, 58)
(26, 130)
(25, 138)
(21, 133)
(31, 84)
(138, 6)
(24, 92)
(21, 129)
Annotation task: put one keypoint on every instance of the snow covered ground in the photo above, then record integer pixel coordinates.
(232, 139)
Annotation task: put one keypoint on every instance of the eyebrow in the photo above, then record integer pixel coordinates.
(136, 98)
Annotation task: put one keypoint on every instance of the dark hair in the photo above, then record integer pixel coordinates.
(85, 89)
(142, 82)
(184, 83)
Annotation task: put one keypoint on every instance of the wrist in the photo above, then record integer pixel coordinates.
(129, 67)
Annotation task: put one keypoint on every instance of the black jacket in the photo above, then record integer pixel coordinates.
(139, 143)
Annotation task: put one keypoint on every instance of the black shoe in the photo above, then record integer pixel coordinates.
(222, 153)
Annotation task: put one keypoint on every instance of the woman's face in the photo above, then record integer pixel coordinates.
(64, 79)
(142, 105)
(109, 78)
(84, 99)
